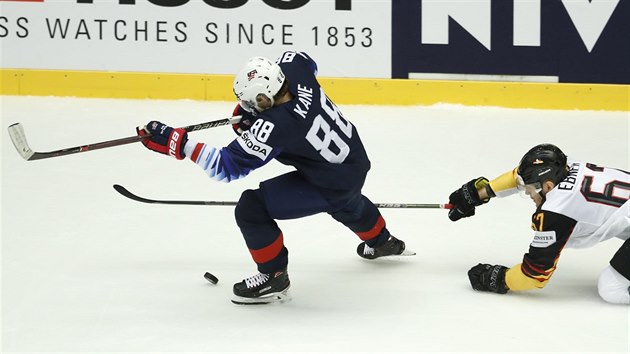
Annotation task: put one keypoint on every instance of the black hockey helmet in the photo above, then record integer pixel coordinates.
(544, 162)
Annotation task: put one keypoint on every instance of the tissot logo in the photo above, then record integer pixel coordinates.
(230, 4)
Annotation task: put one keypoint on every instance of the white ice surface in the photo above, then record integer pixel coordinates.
(86, 270)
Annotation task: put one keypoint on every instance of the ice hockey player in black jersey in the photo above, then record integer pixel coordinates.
(286, 116)
(578, 205)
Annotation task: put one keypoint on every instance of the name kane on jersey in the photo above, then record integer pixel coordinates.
(305, 97)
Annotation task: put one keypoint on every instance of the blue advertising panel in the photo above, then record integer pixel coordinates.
(576, 41)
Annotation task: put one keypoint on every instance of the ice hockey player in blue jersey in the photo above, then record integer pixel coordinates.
(286, 116)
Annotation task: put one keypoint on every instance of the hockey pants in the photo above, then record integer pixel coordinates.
(290, 196)
(621, 260)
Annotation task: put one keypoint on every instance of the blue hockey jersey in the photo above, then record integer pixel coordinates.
(308, 132)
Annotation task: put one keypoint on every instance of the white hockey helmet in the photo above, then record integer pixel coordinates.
(259, 76)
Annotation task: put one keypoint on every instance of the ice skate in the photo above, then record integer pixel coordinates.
(392, 247)
(263, 289)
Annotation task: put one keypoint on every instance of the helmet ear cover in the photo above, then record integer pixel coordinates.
(259, 76)
(544, 162)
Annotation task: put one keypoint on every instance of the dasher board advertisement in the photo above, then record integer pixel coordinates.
(575, 41)
(347, 38)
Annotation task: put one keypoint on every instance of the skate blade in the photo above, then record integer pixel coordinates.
(405, 253)
(273, 298)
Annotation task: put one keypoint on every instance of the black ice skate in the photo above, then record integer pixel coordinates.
(263, 289)
(392, 247)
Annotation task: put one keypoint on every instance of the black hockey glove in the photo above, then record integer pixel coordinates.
(486, 277)
(465, 199)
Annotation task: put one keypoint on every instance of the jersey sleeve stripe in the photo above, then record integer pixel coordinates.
(197, 152)
(516, 280)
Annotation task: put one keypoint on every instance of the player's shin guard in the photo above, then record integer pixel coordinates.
(262, 234)
(363, 218)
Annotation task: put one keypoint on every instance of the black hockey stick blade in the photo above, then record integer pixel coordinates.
(122, 190)
(16, 132)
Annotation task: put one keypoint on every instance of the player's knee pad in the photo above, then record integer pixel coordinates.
(250, 207)
(613, 287)
(359, 212)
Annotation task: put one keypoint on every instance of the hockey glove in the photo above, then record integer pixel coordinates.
(247, 119)
(486, 277)
(465, 199)
(164, 139)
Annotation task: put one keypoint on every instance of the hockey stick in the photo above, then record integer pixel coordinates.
(16, 132)
(122, 190)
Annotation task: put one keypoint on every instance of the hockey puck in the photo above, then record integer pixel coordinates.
(211, 278)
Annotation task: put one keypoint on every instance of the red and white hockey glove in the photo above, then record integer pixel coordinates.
(164, 139)
(246, 121)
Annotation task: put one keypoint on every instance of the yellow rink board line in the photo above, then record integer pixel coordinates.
(28, 82)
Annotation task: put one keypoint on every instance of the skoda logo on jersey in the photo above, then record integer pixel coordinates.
(252, 146)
